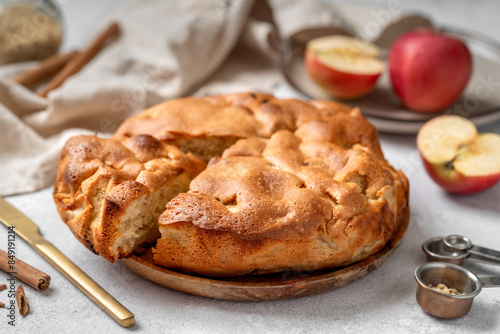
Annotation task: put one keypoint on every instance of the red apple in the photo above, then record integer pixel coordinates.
(429, 70)
(345, 67)
(458, 158)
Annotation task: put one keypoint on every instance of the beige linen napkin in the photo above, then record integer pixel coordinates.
(166, 49)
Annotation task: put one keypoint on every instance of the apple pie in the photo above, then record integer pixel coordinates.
(234, 184)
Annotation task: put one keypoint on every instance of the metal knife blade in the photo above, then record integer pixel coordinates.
(29, 231)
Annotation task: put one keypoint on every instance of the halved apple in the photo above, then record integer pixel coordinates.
(345, 67)
(458, 158)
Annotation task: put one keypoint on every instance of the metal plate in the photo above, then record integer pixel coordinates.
(480, 101)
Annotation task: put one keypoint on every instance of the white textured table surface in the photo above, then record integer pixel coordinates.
(382, 302)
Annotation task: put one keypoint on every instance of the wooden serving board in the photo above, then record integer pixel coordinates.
(284, 285)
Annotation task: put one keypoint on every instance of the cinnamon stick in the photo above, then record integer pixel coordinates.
(3, 287)
(22, 301)
(24, 272)
(77, 63)
(2, 304)
(45, 69)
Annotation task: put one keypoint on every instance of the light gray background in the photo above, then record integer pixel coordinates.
(382, 302)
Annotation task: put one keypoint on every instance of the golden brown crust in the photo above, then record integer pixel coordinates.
(98, 178)
(291, 185)
(286, 203)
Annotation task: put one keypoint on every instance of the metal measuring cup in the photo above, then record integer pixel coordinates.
(444, 305)
(455, 248)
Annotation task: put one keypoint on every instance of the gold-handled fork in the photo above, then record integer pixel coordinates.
(26, 229)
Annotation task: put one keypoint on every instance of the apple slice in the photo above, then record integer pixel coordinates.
(345, 67)
(458, 158)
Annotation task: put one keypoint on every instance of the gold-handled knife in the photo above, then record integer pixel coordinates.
(26, 229)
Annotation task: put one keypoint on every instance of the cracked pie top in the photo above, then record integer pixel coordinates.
(234, 184)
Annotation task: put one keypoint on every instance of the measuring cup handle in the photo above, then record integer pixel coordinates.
(490, 281)
(486, 254)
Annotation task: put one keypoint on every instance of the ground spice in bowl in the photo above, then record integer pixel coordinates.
(29, 31)
(444, 289)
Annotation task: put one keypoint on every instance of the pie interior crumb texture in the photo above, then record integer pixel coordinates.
(234, 184)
